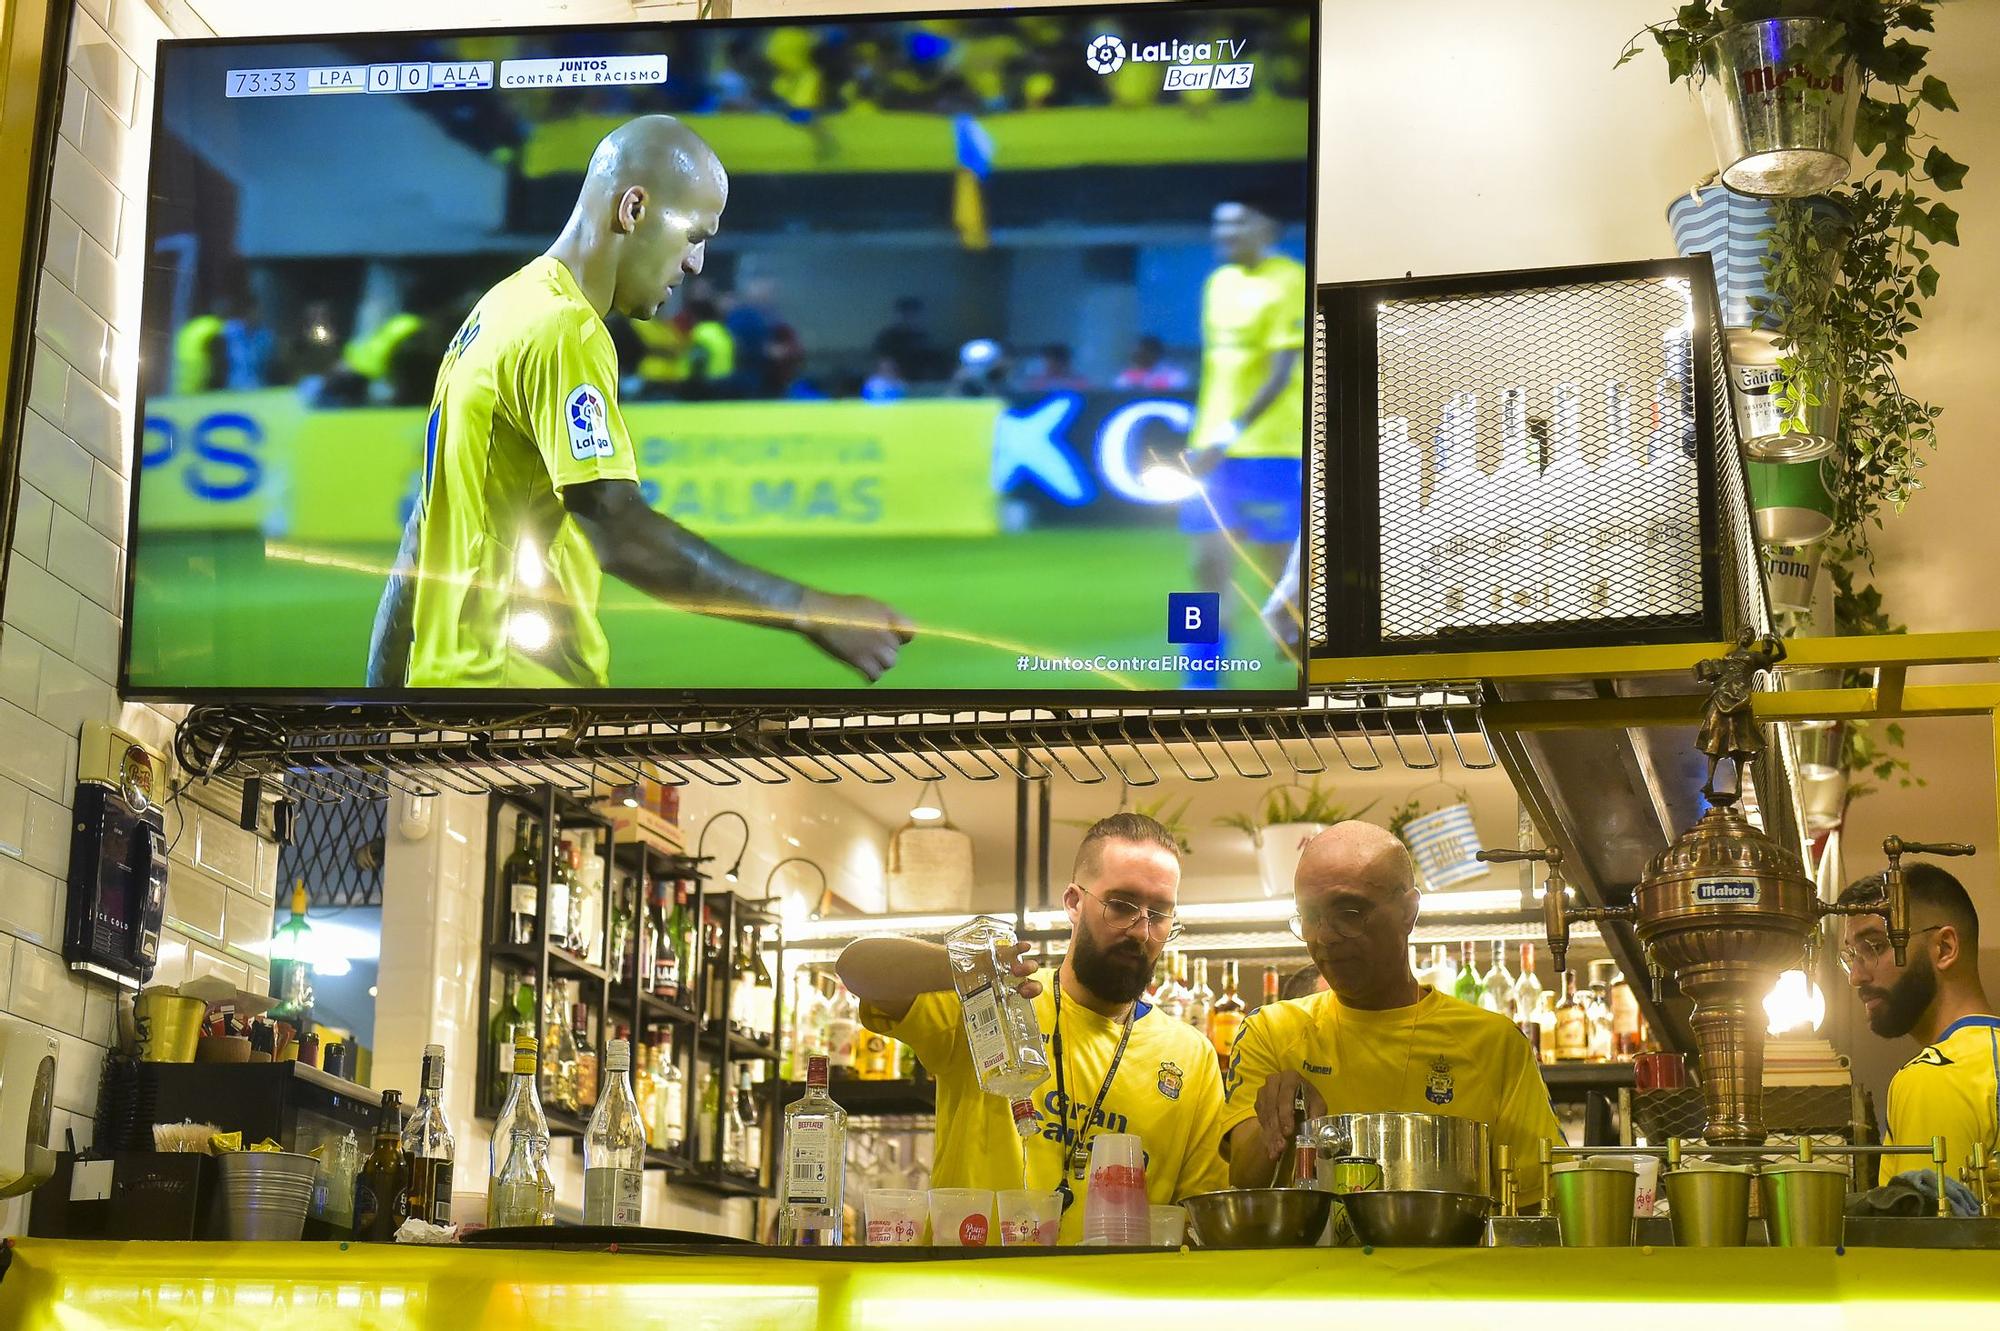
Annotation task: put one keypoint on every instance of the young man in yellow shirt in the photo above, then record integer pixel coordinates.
(1377, 1041)
(1952, 1088)
(1116, 1064)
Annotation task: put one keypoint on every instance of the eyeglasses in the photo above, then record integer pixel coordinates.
(1869, 949)
(1347, 921)
(1123, 915)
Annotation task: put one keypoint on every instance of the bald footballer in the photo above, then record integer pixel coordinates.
(530, 491)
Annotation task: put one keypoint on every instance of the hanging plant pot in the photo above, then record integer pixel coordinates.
(1780, 100)
(1280, 846)
(1791, 501)
(1769, 434)
(1791, 572)
(1734, 231)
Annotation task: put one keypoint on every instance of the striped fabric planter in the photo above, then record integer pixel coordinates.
(1731, 229)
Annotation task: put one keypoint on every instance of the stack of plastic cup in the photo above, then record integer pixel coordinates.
(1028, 1217)
(1115, 1211)
(895, 1217)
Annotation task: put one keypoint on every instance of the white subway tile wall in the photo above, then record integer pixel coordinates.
(59, 619)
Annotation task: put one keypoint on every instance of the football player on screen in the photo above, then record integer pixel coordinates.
(1247, 441)
(530, 491)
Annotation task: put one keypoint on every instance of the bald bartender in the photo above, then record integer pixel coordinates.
(1376, 1041)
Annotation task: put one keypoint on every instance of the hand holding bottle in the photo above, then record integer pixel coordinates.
(1019, 958)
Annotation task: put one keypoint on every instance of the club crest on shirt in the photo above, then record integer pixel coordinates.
(589, 423)
(1170, 1081)
(1438, 1088)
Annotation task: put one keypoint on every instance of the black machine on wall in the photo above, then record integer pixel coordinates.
(117, 860)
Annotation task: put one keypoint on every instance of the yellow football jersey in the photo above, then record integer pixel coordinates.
(1248, 315)
(525, 405)
(1437, 1056)
(1950, 1090)
(1168, 1091)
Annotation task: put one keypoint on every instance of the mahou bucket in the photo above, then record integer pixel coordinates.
(1445, 845)
(1780, 98)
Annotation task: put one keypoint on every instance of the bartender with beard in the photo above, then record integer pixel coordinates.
(1377, 1041)
(1951, 1089)
(1116, 1064)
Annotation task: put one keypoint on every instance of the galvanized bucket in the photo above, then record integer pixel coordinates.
(1780, 101)
(265, 1194)
(1791, 572)
(1769, 432)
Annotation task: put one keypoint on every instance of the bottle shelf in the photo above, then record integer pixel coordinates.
(726, 1182)
(741, 1047)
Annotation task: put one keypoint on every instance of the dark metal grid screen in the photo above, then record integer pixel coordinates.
(336, 848)
(1746, 604)
(1824, 1113)
(1537, 464)
(1314, 570)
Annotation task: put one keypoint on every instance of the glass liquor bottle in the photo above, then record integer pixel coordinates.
(843, 1031)
(1226, 1018)
(428, 1147)
(667, 973)
(763, 1010)
(813, 1182)
(1496, 990)
(522, 1110)
(1466, 988)
(1198, 999)
(1572, 1024)
(614, 1148)
(516, 1189)
(586, 901)
(1526, 999)
(669, 1099)
(1270, 986)
(1001, 1029)
(1626, 1032)
(523, 877)
(382, 1190)
(509, 1020)
(559, 895)
(586, 1056)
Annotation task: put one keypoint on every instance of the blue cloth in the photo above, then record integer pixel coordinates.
(1258, 499)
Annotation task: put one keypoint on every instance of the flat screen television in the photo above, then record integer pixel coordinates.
(959, 356)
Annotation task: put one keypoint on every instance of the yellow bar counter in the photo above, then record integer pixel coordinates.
(56, 1285)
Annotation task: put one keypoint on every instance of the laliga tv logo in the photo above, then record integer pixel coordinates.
(1189, 61)
(1105, 54)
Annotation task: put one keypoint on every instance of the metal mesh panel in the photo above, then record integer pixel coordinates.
(1746, 604)
(1825, 1113)
(1537, 467)
(336, 848)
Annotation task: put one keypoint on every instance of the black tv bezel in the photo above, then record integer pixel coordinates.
(927, 699)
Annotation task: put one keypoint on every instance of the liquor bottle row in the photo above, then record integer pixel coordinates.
(408, 1171)
(823, 1018)
(519, 1189)
(1219, 1016)
(1598, 1022)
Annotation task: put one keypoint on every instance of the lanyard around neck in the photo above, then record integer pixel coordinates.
(1075, 1148)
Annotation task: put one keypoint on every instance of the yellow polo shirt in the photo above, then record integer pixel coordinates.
(1437, 1056)
(1950, 1090)
(1168, 1091)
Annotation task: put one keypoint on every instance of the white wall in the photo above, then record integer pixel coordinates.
(58, 622)
(795, 819)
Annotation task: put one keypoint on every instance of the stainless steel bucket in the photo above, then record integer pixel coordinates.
(1417, 1152)
(1781, 104)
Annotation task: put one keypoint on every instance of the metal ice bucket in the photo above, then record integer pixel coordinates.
(1417, 1152)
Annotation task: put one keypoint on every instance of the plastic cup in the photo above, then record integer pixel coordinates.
(1648, 1169)
(895, 1217)
(1115, 1208)
(961, 1217)
(1028, 1217)
(1168, 1224)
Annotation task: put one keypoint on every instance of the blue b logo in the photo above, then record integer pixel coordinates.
(1194, 616)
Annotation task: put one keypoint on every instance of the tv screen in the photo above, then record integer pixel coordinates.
(960, 355)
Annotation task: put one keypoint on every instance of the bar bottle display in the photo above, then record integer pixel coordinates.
(614, 1148)
(814, 1172)
(382, 1190)
(524, 880)
(428, 1147)
(1000, 1026)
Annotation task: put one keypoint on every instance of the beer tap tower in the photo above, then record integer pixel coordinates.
(1725, 910)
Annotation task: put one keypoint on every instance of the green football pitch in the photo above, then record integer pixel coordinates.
(221, 612)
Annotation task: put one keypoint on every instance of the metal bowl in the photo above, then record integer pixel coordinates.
(1411, 1218)
(1259, 1217)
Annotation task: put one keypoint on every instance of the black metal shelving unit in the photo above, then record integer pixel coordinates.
(539, 963)
(621, 995)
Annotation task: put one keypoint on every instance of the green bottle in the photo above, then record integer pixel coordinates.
(1466, 988)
